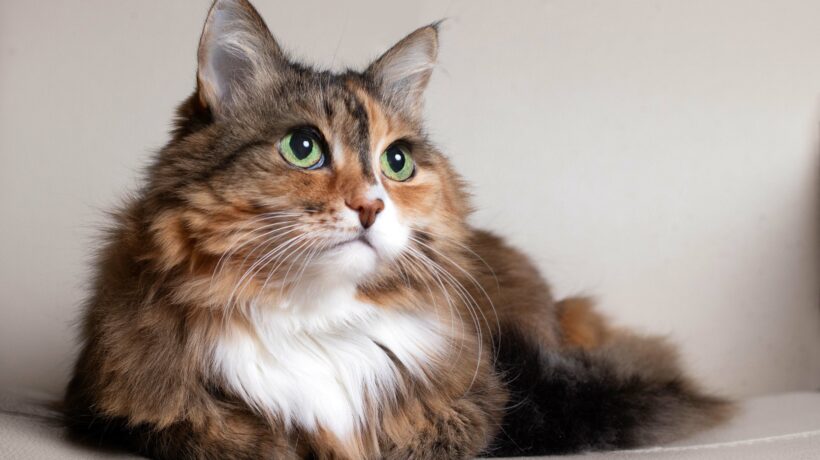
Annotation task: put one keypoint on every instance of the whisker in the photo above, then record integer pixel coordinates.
(232, 248)
(261, 261)
(469, 302)
(438, 273)
(462, 246)
(472, 279)
(301, 249)
(420, 267)
(282, 254)
(314, 248)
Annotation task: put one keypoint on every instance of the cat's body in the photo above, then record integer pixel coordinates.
(297, 280)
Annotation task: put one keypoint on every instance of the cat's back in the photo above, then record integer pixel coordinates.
(512, 287)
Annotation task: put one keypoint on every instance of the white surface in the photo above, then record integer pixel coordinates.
(660, 154)
(785, 426)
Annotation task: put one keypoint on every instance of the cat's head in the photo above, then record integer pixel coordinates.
(278, 171)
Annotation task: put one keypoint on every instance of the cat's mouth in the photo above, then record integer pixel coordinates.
(362, 238)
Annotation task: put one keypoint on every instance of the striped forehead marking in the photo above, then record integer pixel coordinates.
(360, 132)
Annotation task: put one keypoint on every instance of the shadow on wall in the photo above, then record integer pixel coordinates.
(816, 207)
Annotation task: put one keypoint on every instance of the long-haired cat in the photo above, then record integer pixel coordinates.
(297, 279)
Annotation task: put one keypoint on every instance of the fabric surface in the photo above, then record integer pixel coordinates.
(785, 426)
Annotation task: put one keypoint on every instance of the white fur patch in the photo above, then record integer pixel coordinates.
(318, 365)
(388, 234)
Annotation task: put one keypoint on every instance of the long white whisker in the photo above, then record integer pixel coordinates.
(462, 246)
(438, 272)
(313, 249)
(472, 279)
(258, 263)
(299, 250)
(469, 303)
(269, 235)
(420, 268)
(285, 256)
(233, 248)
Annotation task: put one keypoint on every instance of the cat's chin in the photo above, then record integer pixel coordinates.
(353, 259)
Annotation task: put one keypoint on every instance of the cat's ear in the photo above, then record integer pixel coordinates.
(402, 73)
(237, 55)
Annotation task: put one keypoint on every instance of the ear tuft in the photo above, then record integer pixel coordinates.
(402, 73)
(237, 54)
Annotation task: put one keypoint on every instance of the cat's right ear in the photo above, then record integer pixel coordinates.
(237, 56)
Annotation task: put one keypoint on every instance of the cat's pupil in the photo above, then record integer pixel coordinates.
(395, 158)
(301, 144)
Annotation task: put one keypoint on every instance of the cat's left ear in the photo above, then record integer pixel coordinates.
(237, 57)
(402, 73)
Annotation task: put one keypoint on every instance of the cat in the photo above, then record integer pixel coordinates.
(296, 278)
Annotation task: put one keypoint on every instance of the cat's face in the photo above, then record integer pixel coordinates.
(280, 173)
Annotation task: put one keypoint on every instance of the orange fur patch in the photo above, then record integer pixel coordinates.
(581, 325)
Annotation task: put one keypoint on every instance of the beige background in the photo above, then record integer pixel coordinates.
(662, 155)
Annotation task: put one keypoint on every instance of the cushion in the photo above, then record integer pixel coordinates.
(783, 426)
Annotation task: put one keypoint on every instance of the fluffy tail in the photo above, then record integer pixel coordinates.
(626, 392)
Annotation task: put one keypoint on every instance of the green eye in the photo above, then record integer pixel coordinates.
(302, 148)
(396, 163)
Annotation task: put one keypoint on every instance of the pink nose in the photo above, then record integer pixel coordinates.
(367, 209)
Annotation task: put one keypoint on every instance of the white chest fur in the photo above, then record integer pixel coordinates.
(321, 367)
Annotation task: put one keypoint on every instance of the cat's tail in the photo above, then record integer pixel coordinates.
(626, 391)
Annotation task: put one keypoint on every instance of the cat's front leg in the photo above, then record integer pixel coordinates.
(215, 431)
(436, 430)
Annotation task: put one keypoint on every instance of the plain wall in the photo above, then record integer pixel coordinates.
(662, 155)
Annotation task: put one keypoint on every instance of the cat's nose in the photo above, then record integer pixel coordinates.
(367, 209)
